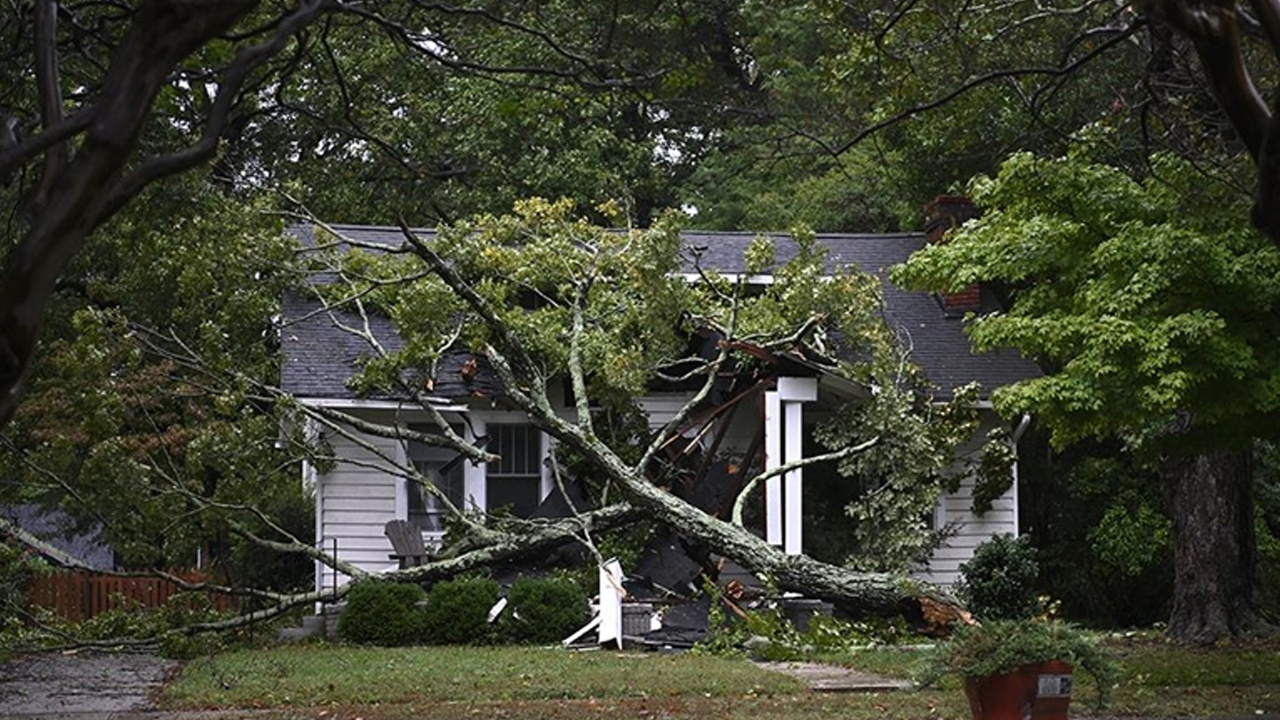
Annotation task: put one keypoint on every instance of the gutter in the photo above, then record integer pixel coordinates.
(1023, 424)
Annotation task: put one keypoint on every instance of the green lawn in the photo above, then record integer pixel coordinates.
(318, 675)
(330, 682)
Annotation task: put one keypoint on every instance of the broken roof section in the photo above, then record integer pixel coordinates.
(320, 357)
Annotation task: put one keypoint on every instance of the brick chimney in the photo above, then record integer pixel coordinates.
(941, 215)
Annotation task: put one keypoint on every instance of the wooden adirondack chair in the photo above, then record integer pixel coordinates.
(406, 540)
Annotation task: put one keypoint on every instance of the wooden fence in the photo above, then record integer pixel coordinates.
(79, 595)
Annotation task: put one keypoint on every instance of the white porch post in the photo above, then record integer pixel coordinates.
(772, 459)
(791, 394)
(792, 495)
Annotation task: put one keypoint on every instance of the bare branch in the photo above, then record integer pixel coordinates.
(698, 397)
(1121, 35)
(740, 502)
(247, 59)
(12, 157)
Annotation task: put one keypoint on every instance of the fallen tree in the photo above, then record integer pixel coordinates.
(541, 298)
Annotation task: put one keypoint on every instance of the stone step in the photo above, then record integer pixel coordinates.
(833, 678)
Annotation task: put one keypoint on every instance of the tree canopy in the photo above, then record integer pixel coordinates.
(1151, 302)
(1151, 306)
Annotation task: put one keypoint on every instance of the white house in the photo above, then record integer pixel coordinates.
(356, 496)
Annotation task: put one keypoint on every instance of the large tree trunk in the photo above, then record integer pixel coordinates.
(1214, 549)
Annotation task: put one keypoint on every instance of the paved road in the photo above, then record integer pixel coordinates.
(82, 684)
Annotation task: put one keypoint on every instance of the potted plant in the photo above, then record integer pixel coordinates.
(1018, 669)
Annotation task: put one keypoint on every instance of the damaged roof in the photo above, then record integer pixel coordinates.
(320, 357)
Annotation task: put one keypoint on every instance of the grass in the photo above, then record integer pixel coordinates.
(1163, 665)
(332, 682)
(320, 675)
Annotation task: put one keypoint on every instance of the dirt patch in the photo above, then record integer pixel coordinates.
(80, 684)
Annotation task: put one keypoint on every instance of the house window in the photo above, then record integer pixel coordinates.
(513, 482)
(443, 468)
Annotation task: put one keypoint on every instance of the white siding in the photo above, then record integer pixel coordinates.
(661, 407)
(969, 529)
(357, 498)
(358, 495)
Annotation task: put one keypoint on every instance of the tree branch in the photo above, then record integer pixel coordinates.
(1122, 34)
(246, 60)
(740, 502)
(49, 90)
(1214, 30)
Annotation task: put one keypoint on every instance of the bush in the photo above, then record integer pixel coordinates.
(458, 612)
(999, 582)
(383, 613)
(543, 610)
(1002, 646)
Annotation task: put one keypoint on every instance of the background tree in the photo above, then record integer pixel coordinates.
(868, 111)
(1234, 44)
(101, 105)
(1100, 524)
(1151, 306)
(133, 443)
(123, 95)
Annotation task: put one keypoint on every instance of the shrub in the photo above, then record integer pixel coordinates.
(999, 582)
(382, 613)
(997, 647)
(458, 612)
(543, 610)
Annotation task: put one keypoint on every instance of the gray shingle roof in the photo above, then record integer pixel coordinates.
(319, 357)
(57, 528)
(938, 342)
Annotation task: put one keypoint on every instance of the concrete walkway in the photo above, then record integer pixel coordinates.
(833, 678)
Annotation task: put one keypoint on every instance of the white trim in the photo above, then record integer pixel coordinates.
(548, 481)
(1023, 424)
(319, 531)
(758, 279)
(397, 405)
(310, 436)
(772, 459)
(797, 389)
(474, 492)
(402, 480)
(1017, 530)
(611, 591)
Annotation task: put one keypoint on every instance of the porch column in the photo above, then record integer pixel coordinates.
(772, 459)
(784, 443)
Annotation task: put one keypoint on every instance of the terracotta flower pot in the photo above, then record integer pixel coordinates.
(1032, 692)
